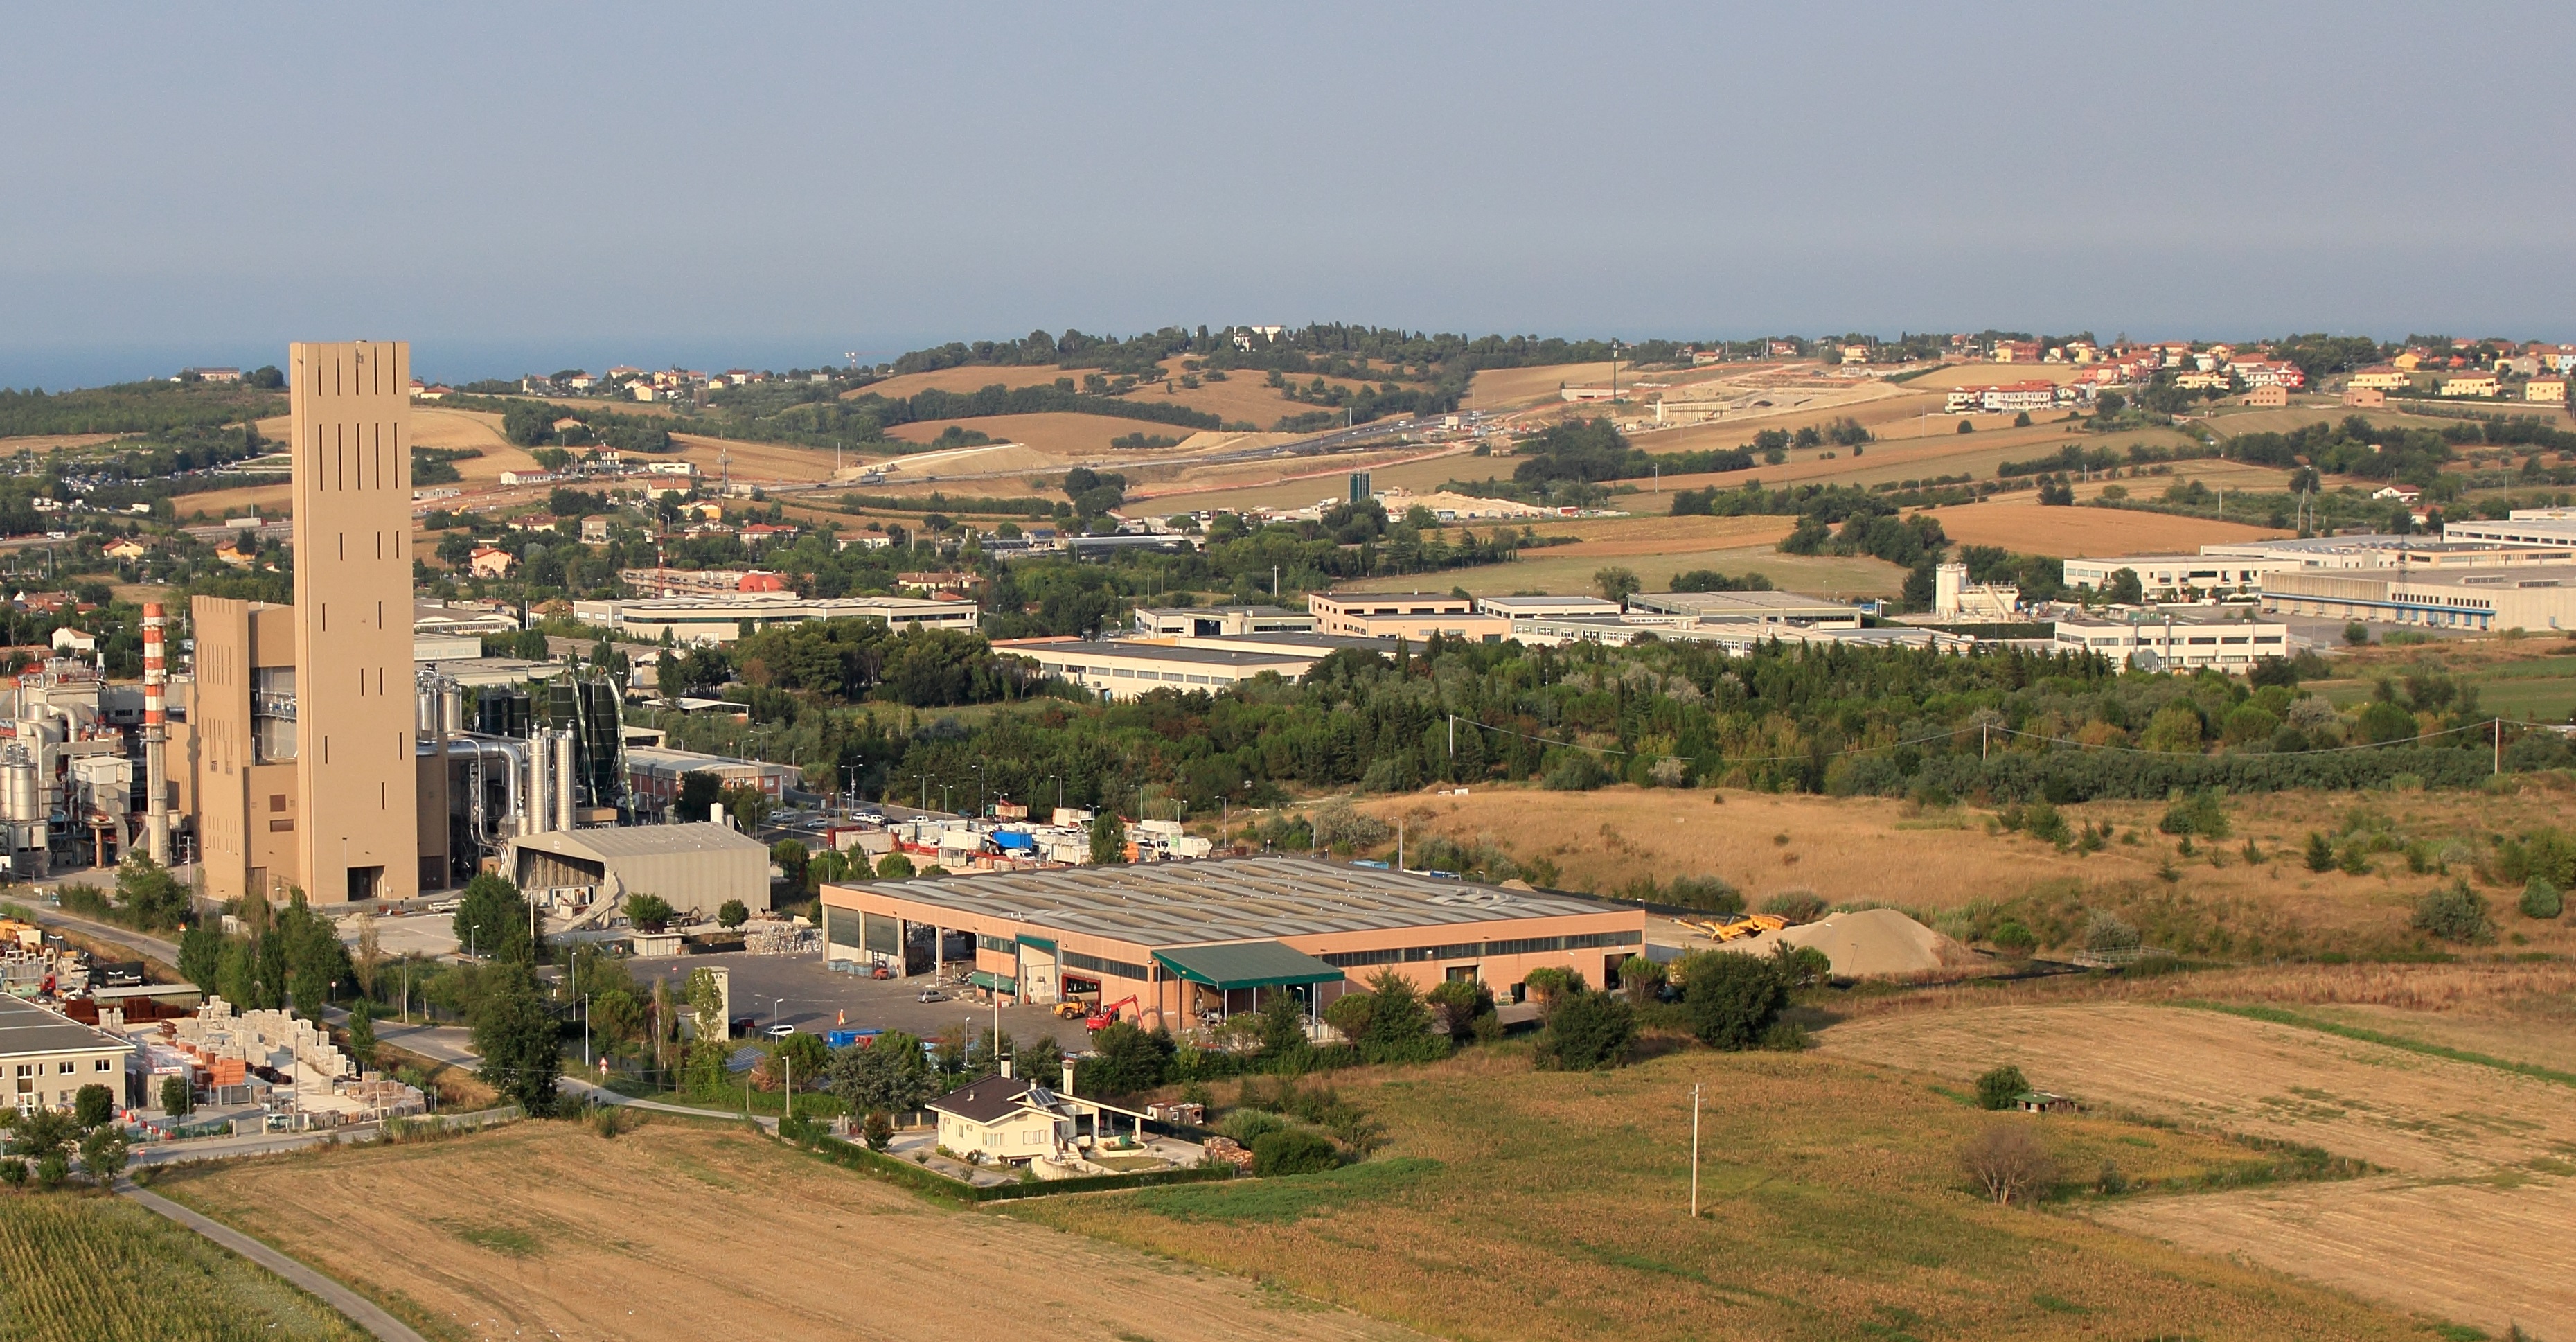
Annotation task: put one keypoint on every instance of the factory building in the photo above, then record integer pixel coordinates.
(2178, 642)
(696, 867)
(303, 719)
(1174, 943)
(2530, 598)
(1750, 607)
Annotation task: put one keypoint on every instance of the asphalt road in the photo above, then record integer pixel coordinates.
(796, 990)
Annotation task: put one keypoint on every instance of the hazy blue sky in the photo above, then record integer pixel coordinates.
(518, 187)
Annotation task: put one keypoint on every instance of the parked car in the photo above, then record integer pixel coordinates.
(931, 995)
(779, 1031)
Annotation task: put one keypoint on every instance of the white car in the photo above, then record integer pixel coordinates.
(779, 1031)
(447, 906)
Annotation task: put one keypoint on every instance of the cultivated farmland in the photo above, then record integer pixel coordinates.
(81, 1266)
(683, 1229)
(2020, 524)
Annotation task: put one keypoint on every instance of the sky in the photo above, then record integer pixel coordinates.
(522, 188)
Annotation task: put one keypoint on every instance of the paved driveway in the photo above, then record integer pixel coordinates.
(816, 998)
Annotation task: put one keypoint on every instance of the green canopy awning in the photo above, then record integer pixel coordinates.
(1247, 964)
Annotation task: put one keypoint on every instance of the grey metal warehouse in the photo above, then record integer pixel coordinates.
(695, 867)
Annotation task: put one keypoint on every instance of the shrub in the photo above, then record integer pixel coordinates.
(13, 1172)
(2009, 1162)
(2321, 853)
(734, 913)
(2014, 940)
(1457, 1005)
(1588, 1032)
(877, 1131)
(1712, 893)
(894, 867)
(1785, 1037)
(1247, 1126)
(2454, 913)
(2108, 931)
(1798, 906)
(1293, 1151)
(1730, 998)
(1996, 1089)
(2540, 899)
(2198, 813)
(1642, 979)
(1574, 771)
(2043, 822)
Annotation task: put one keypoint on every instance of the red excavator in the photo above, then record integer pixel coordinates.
(1102, 1017)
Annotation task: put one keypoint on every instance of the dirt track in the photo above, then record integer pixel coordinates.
(681, 1230)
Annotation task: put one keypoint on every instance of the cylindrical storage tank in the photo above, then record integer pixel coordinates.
(563, 781)
(424, 714)
(20, 802)
(451, 709)
(534, 809)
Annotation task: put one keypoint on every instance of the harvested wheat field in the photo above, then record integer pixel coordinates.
(682, 1229)
(1502, 389)
(1062, 437)
(964, 379)
(2021, 525)
(2483, 1193)
(2487, 1255)
(757, 461)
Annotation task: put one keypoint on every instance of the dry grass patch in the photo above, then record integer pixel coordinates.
(688, 1230)
(2018, 523)
(2484, 1185)
(1516, 1204)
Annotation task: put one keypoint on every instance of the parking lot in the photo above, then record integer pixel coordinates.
(797, 990)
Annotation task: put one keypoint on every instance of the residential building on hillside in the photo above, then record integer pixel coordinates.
(2472, 384)
(2546, 390)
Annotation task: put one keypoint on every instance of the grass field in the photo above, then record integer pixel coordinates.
(683, 1229)
(1067, 436)
(1520, 1204)
(2539, 688)
(77, 1265)
(2470, 1225)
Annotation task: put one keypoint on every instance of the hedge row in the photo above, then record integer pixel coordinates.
(2075, 776)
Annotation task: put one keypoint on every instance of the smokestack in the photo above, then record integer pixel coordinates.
(563, 780)
(1068, 1078)
(156, 805)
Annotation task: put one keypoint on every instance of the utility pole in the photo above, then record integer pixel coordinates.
(2496, 725)
(1694, 1151)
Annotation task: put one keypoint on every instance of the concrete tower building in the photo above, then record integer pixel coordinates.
(303, 733)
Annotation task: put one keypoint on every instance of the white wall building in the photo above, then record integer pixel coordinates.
(2178, 642)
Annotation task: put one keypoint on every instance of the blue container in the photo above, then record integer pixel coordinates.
(845, 1038)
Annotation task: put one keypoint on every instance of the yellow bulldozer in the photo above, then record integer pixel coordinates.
(1736, 926)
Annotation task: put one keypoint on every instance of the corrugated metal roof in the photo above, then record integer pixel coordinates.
(642, 840)
(1238, 899)
(1247, 964)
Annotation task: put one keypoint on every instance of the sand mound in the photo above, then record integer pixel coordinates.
(1869, 943)
(1220, 440)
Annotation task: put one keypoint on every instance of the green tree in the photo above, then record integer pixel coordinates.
(201, 957)
(2357, 634)
(492, 920)
(93, 1105)
(2540, 899)
(313, 956)
(2125, 589)
(1459, 1006)
(648, 912)
(103, 1155)
(1399, 1024)
(517, 1038)
(1126, 1061)
(894, 867)
(1588, 1031)
(1999, 1086)
(149, 894)
(1108, 839)
(791, 858)
(1616, 583)
(1730, 998)
(174, 1095)
(733, 912)
(362, 1034)
(890, 1076)
(1283, 1023)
